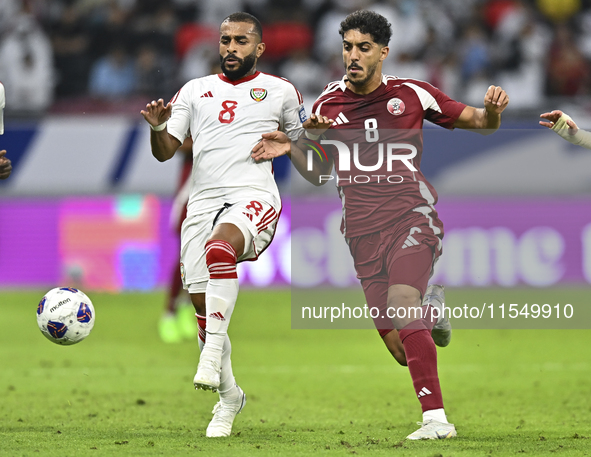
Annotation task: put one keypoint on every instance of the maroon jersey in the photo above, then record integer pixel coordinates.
(377, 144)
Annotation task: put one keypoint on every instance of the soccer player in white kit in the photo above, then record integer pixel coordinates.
(234, 203)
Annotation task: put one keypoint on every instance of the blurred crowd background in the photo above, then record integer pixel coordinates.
(69, 56)
(77, 73)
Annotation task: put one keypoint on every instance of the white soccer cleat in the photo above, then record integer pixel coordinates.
(224, 413)
(208, 375)
(441, 332)
(433, 430)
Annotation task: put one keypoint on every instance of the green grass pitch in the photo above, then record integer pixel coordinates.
(310, 392)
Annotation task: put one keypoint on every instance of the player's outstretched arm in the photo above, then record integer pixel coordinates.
(163, 144)
(564, 126)
(275, 144)
(5, 165)
(485, 120)
(312, 170)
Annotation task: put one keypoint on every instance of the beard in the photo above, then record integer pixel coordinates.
(370, 72)
(244, 66)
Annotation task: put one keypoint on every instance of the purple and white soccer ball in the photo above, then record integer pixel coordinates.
(65, 315)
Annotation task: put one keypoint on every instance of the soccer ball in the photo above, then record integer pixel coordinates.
(65, 315)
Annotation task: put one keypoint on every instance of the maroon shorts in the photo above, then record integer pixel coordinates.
(404, 254)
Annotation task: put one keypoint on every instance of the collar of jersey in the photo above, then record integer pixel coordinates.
(345, 89)
(238, 81)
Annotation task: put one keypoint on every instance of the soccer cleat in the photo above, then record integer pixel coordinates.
(224, 413)
(433, 430)
(208, 375)
(168, 329)
(441, 332)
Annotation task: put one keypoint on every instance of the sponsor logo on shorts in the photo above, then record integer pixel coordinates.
(410, 240)
(182, 271)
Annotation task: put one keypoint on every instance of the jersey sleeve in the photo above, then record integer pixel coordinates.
(294, 113)
(439, 108)
(316, 106)
(179, 123)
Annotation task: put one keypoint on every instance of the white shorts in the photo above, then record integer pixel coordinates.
(256, 220)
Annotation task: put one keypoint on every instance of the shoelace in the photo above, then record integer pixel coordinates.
(424, 424)
(225, 410)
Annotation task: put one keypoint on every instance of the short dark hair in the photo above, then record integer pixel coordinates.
(245, 17)
(368, 22)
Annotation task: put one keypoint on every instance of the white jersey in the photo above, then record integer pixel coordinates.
(226, 120)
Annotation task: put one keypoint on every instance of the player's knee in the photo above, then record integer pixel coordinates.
(221, 259)
(404, 305)
(402, 295)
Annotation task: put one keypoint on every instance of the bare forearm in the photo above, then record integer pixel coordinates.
(490, 122)
(485, 120)
(163, 145)
(479, 120)
(299, 158)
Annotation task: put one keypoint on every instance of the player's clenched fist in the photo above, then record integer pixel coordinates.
(156, 113)
(5, 165)
(496, 99)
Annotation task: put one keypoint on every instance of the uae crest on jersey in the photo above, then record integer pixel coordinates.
(258, 95)
(396, 106)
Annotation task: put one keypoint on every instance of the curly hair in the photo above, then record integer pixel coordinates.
(249, 19)
(368, 22)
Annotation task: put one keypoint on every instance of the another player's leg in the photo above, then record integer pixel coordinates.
(392, 341)
(435, 297)
(232, 398)
(421, 356)
(221, 252)
(375, 289)
(167, 327)
(242, 232)
(415, 327)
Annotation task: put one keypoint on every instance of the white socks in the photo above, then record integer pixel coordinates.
(220, 299)
(436, 415)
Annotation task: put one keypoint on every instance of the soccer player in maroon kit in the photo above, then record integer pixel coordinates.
(389, 219)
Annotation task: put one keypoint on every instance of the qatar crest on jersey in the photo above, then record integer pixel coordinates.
(396, 106)
(258, 95)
